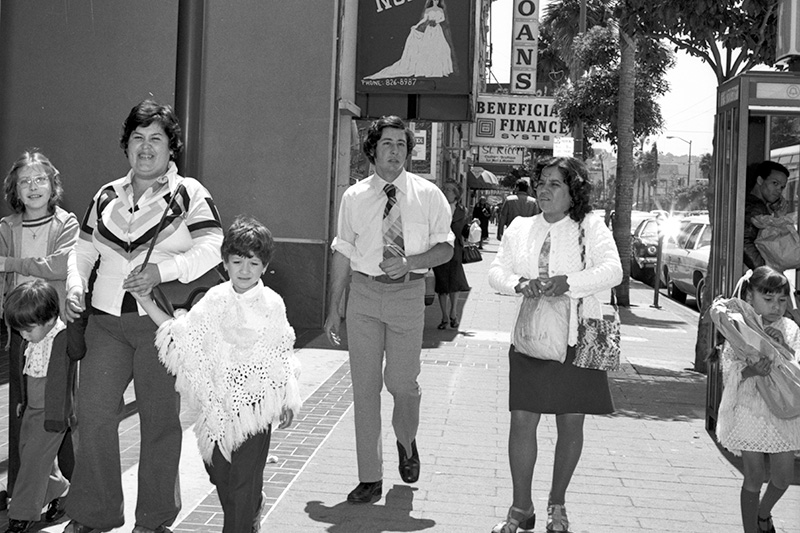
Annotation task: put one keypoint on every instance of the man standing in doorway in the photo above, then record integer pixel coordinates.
(765, 198)
(393, 226)
(516, 205)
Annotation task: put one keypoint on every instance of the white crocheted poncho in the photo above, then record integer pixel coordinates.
(233, 359)
(745, 421)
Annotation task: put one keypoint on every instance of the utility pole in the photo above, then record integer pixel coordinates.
(689, 171)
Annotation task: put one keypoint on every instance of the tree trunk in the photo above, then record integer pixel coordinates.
(704, 346)
(622, 222)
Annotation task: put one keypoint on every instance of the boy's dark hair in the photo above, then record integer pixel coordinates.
(31, 304)
(248, 237)
(766, 280)
(765, 168)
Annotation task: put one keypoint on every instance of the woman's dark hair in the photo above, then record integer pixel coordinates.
(576, 176)
(32, 157)
(766, 280)
(31, 304)
(376, 130)
(248, 237)
(145, 113)
(458, 187)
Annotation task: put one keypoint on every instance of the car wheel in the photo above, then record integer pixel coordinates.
(675, 293)
(701, 287)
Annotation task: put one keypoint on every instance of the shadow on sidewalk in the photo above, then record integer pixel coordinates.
(659, 394)
(628, 316)
(393, 515)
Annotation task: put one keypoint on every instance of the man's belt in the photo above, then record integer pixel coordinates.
(383, 278)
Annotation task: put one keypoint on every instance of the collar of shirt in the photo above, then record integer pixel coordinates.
(169, 178)
(400, 182)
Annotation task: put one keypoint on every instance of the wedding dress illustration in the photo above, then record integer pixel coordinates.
(426, 53)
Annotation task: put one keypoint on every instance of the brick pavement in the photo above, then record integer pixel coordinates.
(649, 467)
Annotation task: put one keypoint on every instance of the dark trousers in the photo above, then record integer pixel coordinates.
(66, 458)
(118, 350)
(239, 482)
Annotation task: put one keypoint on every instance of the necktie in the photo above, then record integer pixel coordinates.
(392, 226)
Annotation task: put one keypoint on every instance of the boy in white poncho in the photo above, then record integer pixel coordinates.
(233, 357)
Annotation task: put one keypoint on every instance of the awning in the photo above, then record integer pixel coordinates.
(478, 178)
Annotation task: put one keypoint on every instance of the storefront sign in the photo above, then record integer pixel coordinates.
(501, 155)
(414, 46)
(524, 46)
(516, 121)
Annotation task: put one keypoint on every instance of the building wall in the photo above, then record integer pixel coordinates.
(71, 71)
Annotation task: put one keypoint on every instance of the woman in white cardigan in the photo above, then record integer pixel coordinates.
(541, 255)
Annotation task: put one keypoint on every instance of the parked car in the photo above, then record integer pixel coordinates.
(684, 259)
(644, 250)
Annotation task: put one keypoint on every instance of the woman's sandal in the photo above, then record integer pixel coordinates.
(443, 325)
(517, 520)
(765, 525)
(453, 322)
(556, 518)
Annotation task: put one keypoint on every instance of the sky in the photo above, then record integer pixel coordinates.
(688, 109)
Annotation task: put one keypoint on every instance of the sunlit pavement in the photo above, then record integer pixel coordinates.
(649, 467)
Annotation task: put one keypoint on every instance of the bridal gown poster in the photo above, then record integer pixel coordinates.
(414, 46)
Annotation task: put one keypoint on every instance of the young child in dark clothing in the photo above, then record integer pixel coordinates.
(32, 309)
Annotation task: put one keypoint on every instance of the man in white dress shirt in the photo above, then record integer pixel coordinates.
(393, 226)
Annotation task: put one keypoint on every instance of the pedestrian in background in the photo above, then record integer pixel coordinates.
(765, 197)
(450, 277)
(474, 235)
(745, 425)
(393, 226)
(516, 205)
(541, 256)
(233, 356)
(483, 212)
(34, 244)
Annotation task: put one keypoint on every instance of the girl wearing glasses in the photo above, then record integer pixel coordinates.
(34, 244)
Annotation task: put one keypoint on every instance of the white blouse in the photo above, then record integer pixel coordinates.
(518, 256)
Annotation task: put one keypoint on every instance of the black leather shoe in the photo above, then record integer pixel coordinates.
(366, 492)
(55, 510)
(409, 466)
(19, 526)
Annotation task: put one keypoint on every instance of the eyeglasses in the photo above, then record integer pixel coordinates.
(40, 181)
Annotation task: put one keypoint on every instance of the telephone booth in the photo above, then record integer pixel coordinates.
(758, 118)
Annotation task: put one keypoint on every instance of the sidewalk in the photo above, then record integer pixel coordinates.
(649, 467)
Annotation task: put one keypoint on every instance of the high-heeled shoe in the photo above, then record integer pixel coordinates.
(556, 518)
(443, 325)
(453, 322)
(517, 520)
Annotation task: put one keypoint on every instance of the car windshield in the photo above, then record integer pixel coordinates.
(649, 229)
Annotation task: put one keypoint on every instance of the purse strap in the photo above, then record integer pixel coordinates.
(161, 222)
(582, 244)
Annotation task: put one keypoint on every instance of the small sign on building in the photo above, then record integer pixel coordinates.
(563, 146)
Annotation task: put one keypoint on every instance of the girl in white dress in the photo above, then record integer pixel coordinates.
(746, 426)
